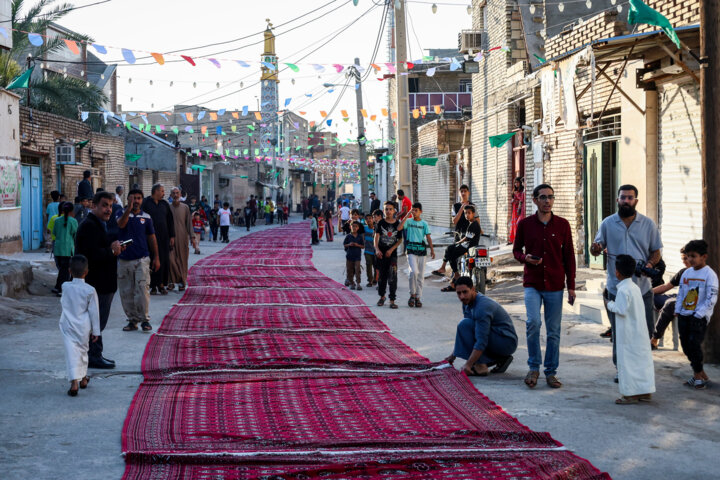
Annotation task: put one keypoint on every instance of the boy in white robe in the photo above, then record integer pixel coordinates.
(636, 373)
(79, 322)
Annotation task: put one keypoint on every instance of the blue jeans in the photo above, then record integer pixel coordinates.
(498, 347)
(553, 315)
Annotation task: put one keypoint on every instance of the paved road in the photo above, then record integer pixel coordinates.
(47, 435)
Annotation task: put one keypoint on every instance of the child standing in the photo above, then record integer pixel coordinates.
(636, 374)
(666, 304)
(695, 304)
(248, 213)
(225, 215)
(354, 243)
(370, 269)
(387, 240)
(198, 227)
(79, 323)
(314, 227)
(417, 233)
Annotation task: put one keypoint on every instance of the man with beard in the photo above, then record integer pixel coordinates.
(628, 233)
(159, 210)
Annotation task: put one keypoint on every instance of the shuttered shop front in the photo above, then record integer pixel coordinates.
(680, 176)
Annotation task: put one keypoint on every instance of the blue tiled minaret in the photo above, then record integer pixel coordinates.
(269, 95)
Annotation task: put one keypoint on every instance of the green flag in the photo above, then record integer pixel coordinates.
(385, 157)
(426, 161)
(641, 13)
(131, 157)
(500, 140)
(21, 81)
(81, 145)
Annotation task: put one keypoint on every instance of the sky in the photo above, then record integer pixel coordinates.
(341, 32)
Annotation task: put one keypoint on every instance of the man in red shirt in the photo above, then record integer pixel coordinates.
(543, 242)
(405, 205)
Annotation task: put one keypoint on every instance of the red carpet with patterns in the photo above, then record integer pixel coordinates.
(268, 369)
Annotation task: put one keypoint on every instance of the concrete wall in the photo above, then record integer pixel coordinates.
(5, 11)
(10, 234)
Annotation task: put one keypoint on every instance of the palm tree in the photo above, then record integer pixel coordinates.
(49, 91)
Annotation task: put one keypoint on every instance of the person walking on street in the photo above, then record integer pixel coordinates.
(93, 243)
(518, 207)
(354, 243)
(214, 222)
(225, 216)
(134, 263)
(184, 237)
(387, 240)
(85, 189)
(248, 213)
(344, 218)
(161, 213)
(65, 231)
(417, 233)
(544, 244)
(628, 232)
(486, 336)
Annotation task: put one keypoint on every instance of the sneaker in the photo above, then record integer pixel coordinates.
(698, 383)
(607, 333)
(359, 287)
(352, 287)
(616, 379)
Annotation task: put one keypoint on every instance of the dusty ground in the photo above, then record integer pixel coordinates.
(46, 435)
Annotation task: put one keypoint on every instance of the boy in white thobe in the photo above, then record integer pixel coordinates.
(636, 373)
(80, 320)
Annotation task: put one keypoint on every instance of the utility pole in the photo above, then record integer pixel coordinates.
(362, 140)
(402, 147)
(709, 91)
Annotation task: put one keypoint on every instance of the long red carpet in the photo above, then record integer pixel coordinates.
(268, 369)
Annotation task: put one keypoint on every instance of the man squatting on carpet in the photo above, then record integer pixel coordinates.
(486, 336)
(79, 323)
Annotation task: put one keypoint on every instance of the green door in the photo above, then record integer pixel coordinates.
(593, 199)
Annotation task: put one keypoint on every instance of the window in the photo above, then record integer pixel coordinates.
(65, 154)
(413, 85)
(465, 86)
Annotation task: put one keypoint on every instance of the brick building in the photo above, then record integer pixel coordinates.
(51, 144)
(608, 95)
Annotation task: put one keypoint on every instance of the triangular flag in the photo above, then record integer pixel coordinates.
(329, 122)
(35, 39)
(268, 65)
(213, 116)
(373, 118)
(498, 141)
(338, 68)
(244, 111)
(344, 113)
(243, 64)
(391, 67)
(221, 112)
(214, 62)
(293, 67)
(72, 45)
(641, 13)
(416, 113)
(233, 128)
(258, 116)
(438, 109)
(189, 116)
(203, 129)
(323, 113)
(189, 60)
(128, 55)
(251, 127)
(384, 112)
(318, 67)
(423, 110)
(364, 113)
(375, 66)
(21, 81)
(427, 161)
(158, 58)
(84, 115)
(455, 65)
(430, 72)
(287, 101)
(235, 115)
(99, 48)
(218, 130)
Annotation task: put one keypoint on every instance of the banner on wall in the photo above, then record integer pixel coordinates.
(10, 181)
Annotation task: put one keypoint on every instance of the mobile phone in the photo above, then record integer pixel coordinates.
(126, 242)
(533, 257)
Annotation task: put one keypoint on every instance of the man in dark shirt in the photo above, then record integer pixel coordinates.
(486, 336)
(461, 224)
(85, 189)
(544, 244)
(93, 242)
(374, 203)
(387, 240)
(159, 210)
(470, 239)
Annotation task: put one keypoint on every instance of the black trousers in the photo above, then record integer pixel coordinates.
(388, 275)
(104, 304)
(161, 276)
(224, 233)
(667, 313)
(314, 235)
(692, 333)
(63, 266)
(214, 232)
(452, 253)
(248, 221)
(253, 217)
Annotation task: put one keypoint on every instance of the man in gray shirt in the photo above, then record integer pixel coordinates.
(630, 233)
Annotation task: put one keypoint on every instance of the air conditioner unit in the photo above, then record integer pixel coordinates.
(470, 40)
(132, 170)
(445, 157)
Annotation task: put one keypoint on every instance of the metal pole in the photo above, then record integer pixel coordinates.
(710, 114)
(402, 148)
(361, 142)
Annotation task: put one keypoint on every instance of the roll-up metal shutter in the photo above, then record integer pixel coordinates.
(680, 176)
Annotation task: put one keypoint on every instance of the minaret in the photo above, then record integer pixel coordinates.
(269, 94)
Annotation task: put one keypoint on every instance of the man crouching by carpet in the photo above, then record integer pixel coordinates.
(486, 336)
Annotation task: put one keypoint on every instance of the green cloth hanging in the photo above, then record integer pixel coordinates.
(641, 13)
(21, 81)
(426, 161)
(131, 157)
(498, 141)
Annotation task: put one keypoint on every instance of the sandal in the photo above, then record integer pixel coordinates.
(146, 326)
(482, 372)
(449, 288)
(130, 327)
(181, 287)
(73, 393)
(626, 400)
(503, 365)
(439, 273)
(553, 382)
(393, 305)
(84, 382)
(418, 303)
(381, 302)
(531, 378)
(411, 302)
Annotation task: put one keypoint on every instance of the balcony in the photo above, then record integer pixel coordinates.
(452, 102)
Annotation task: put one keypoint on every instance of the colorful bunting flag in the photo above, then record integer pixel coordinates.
(293, 67)
(158, 58)
(128, 55)
(21, 81)
(188, 59)
(214, 62)
(35, 39)
(641, 13)
(498, 141)
(258, 116)
(72, 45)
(426, 161)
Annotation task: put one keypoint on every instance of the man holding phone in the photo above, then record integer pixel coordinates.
(544, 244)
(138, 234)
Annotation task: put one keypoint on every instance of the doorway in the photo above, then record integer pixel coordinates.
(600, 183)
(31, 207)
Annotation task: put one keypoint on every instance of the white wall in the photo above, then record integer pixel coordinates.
(10, 235)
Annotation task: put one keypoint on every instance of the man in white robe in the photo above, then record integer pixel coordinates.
(636, 373)
(80, 319)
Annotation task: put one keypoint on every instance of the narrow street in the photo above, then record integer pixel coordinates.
(47, 434)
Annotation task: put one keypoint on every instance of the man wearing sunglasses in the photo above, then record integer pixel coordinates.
(543, 243)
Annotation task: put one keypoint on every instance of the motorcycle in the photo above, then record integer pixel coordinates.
(474, 264)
